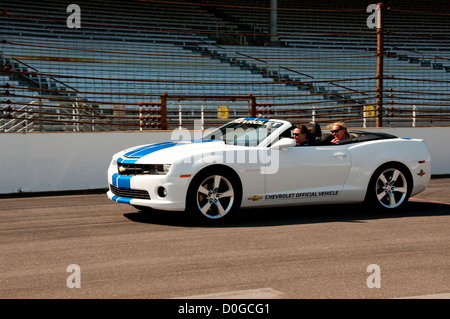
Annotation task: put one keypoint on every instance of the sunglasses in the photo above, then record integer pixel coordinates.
(335, 131)
(296, 134)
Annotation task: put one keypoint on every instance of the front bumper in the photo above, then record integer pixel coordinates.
(142, 190)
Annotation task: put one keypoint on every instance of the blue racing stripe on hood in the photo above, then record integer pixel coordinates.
(145, 150)
(124, 161)
(150, 149)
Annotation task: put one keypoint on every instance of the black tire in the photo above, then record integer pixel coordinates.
(390, 187)
(214, 194)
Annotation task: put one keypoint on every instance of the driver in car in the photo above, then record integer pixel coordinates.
(302, 136)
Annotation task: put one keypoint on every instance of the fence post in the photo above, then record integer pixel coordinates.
(179, 117)
(164, 111)
(202, 118)
(26, 118)
(380, 55)
(40, 110)
(364, 116)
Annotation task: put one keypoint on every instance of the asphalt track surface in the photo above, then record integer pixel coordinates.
(290, 253)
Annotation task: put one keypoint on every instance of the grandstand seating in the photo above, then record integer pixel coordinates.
(126, 52)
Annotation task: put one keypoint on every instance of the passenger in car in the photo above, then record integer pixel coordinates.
(339, 132)
(302, 136)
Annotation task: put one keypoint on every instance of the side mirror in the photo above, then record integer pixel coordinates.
(283, 143)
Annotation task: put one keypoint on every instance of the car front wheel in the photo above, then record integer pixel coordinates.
(214, 195)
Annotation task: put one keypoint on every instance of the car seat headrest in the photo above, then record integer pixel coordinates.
(315, 130)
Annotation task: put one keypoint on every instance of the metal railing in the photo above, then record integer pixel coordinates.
(174, 112)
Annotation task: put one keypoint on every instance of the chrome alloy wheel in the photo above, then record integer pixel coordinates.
(215, 196)
(391, 188)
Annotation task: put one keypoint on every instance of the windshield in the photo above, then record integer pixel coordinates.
(244, 132)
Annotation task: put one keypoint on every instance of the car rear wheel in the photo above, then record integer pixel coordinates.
(389, 187)
(214, 195)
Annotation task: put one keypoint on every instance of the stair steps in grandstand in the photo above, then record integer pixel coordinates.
(29, 77)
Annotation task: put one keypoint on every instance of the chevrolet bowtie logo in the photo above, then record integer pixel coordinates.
(255, 197)
(421, 173)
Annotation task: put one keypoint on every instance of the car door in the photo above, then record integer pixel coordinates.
(308, 174)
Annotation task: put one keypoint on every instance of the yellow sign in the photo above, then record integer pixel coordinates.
(222, 112)
(370, 111)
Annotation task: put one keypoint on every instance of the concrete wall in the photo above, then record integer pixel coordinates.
(43, 162)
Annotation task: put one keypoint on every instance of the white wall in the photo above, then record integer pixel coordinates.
(42, 162)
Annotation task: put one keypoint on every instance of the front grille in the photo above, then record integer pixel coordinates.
(139, 169)
(129, 193)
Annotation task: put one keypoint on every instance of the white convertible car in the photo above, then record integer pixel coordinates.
(253, 162)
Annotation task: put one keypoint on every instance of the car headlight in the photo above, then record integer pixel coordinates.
(113, 162)
(166, 168)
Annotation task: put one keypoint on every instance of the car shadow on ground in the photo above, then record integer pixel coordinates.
(266, 217)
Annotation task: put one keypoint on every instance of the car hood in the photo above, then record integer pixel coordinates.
(170, 152)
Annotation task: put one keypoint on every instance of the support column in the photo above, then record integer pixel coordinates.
(380, 56)
(273, 22)
(164, 111)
